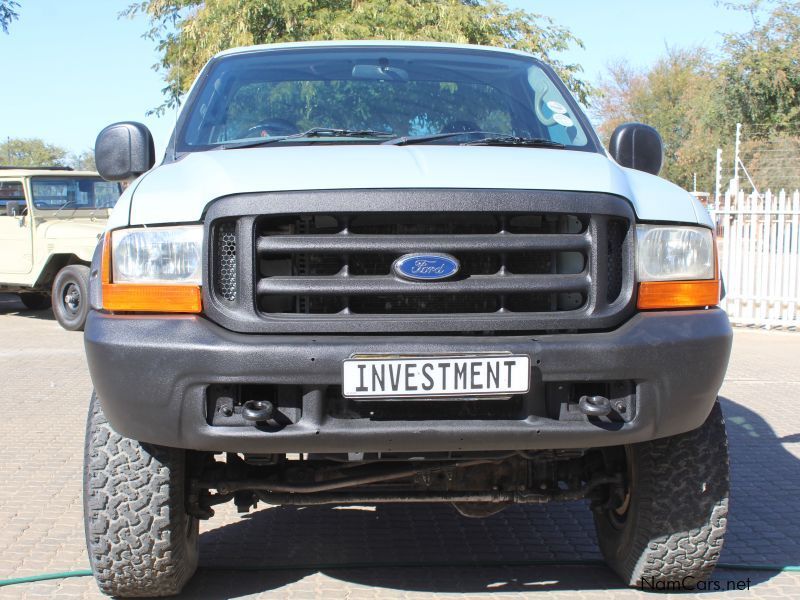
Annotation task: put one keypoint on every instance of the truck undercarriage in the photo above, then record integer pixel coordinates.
(477, 484)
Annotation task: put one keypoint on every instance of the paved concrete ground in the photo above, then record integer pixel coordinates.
(44, 391)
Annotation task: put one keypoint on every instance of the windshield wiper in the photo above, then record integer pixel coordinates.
(314, 132)
(63, 206)
(489, 139)
(421, 139)
(512, 140)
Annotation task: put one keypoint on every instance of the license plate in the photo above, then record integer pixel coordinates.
(435, 376)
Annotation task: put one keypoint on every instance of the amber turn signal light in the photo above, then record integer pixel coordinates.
(140, 297)
(678, 294)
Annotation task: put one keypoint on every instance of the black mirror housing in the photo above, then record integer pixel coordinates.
(637, 146)
(123, 151)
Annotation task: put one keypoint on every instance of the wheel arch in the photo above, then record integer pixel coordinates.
(54, 264)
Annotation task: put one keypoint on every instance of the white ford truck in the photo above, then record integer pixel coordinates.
(370, 272)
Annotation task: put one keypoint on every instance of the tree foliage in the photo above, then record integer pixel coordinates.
(35, 152)
(676, 96)
(189, 32)
(32, 152)
(760, 71)
(8, 13)
(83, 161)
(695, 100)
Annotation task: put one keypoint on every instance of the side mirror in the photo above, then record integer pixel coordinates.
(13, 209)
(123, 151)
(637, 146)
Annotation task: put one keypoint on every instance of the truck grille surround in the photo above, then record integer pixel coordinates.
(321, 261)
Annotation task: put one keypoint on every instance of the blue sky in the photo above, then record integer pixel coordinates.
(70, 68)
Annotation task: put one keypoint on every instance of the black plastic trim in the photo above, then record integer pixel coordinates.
(247, 209)
(151, 374)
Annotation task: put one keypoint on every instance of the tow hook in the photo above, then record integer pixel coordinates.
(594, 406)
(256, 411)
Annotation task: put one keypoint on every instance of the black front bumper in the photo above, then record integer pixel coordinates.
(152, 373)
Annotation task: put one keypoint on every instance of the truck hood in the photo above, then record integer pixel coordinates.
(180, 191)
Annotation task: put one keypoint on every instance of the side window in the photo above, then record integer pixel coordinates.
(11, 191)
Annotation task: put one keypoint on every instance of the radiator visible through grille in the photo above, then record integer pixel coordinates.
(338, 266)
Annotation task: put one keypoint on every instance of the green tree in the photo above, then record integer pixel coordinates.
(8, 13)
(760, 69)
(32, 152)
(676, 95)
(695, 100)
(759, 86)
(189, 32)
(83, 161)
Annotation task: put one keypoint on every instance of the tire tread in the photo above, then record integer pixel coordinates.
(682, 494)
(135, 517)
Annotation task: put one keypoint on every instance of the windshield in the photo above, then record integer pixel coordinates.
(398, 91)
(54, 193)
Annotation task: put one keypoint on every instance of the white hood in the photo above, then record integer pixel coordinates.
(179, 192)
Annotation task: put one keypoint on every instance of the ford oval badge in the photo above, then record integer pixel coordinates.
(426, 267)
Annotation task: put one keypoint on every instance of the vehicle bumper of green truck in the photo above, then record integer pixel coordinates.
(154, 376)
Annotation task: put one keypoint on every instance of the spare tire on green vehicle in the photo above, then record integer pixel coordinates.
(71, 297)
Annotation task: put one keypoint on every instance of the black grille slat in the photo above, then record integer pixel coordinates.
(362, 244)
(321, 261)
(362, 286)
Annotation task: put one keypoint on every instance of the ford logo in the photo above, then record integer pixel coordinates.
(426, 267)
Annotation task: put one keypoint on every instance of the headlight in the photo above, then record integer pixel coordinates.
(162, 255)
(672, 253)
(152, 269)
(676, 267)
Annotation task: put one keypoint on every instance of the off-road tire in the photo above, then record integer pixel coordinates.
(140, 540)
(673, 529)
(35, 300)
(71, 297)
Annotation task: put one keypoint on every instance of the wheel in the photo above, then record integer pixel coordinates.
(34, 300)
(71, 297)
(668, 526)
(140, 540)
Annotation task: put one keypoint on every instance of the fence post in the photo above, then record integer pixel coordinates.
(764, 262)
(777, 283)
(795, 250)
(751, 258)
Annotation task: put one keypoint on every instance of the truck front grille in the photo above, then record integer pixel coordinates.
(342, 264)
(332, 270)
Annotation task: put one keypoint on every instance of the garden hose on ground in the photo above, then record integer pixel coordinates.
(372, 565)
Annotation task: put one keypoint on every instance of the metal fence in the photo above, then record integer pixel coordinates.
(758, 237)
